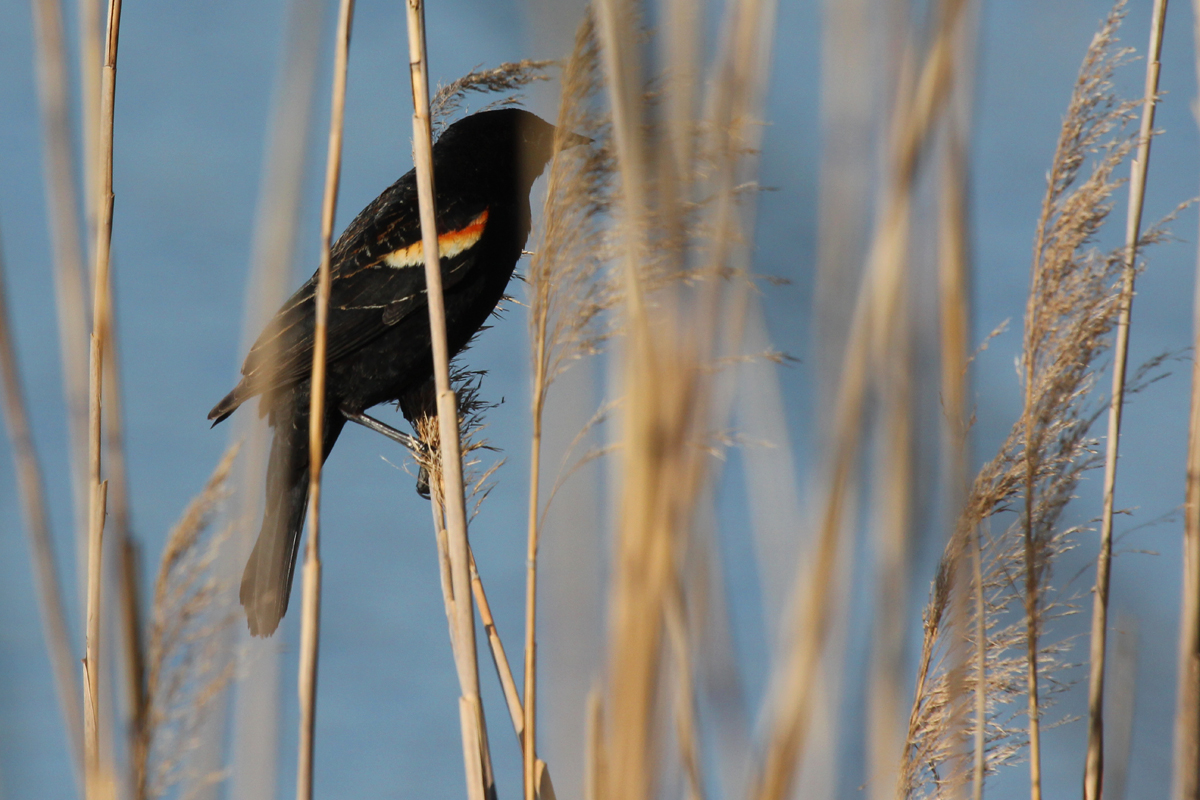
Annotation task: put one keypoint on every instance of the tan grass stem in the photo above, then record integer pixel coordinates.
(128, 613)
(134, 653)
(954, 272)
(255, 725)
(953, 277)
(503, 671)
(979, 729)
(310, 618)
(101, 316)
(565, 301)
(93, 781)
(683, 700)
(543, 785)
(32, 495)
(874, 320)
(70, 285)
(466, 661)
(1094, 769)
(1186, 779)
(954, 295)
(529, 723)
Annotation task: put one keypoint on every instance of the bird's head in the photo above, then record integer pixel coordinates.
(506, 145)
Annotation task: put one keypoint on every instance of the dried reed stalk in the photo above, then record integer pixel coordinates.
(100, 316)
(37, 521)
(1093, 777)
(187, 665)
(128, 615)
(70, 286)
(427, 453)
(674, 209)
(310, 618)
(133, 653)
(954, 278)
(466, 660)
(918, 109)
(894, 479)
(954, 274)
(94, 780)
(658, 378)
(1074, 303)
(112, 445)
(128, 610)
(499, 658)
(1186, 779)
(255, 729)
(894, 366)
(566, 303)
(425, 450)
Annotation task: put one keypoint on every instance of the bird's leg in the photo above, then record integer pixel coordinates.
(415, 445)
(411, 442)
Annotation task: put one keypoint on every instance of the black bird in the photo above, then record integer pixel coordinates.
(378, 330)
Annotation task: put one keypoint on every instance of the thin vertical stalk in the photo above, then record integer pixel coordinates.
(255, 729)
(979, 760)
(475, 756)
(529, 726)
(134, 648)
(954, 276)
(1094, 770)
(1031, 637)
(100, 318)
(37, 521)
(310, 617)
(91, 672)
(128, 609)
(1186, 780)
(503, 671)
(876, 309)
(70, 286)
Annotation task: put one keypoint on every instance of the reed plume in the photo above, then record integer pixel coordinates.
(1072, 307)
(508, 78)
(188, 663)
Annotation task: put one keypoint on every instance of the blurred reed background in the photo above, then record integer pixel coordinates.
(759, 560)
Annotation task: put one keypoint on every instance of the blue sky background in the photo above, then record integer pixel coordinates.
(194, 95)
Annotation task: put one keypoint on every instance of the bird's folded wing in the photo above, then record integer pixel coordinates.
(378, 279)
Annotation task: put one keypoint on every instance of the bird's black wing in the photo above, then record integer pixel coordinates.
(377, 279)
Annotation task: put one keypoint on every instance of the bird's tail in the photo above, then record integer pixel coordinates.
(267, 581)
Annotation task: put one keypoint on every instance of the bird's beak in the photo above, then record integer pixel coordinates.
(575, 140)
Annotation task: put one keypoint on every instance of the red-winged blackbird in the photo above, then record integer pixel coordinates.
(378, 334)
